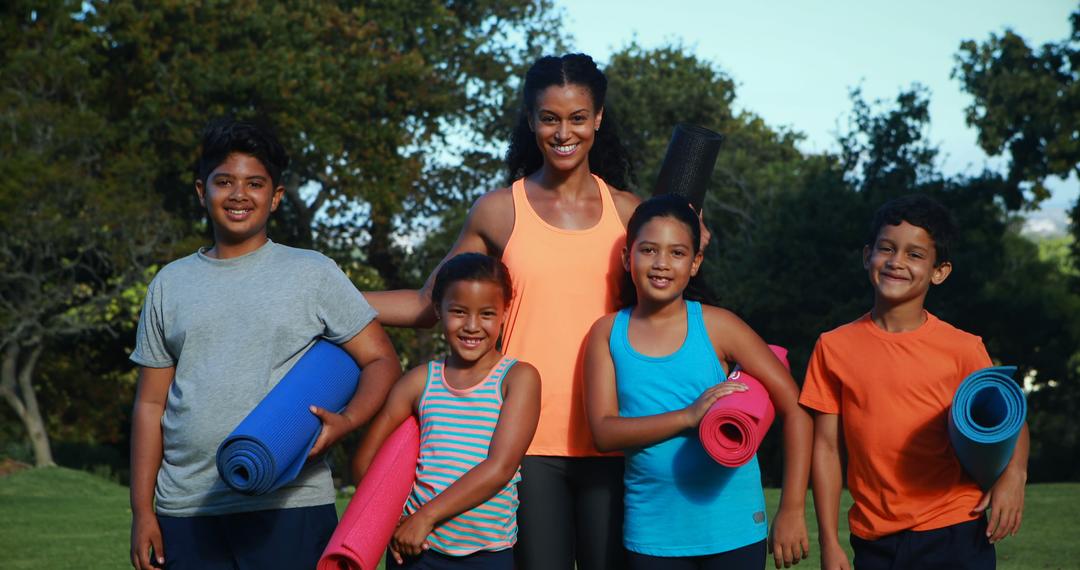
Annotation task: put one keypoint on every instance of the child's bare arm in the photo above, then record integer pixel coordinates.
(610, 430)
(1006, 498)
(827, 483)
(513, 434)
(399, 405)
(372, 351)
(735, 339)
(146, 452)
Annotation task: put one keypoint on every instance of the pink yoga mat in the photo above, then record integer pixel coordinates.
(361, 537)
(734, 426)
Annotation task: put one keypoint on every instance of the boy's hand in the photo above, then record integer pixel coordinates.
(833, 557)
(146, 534)
(694, 412)
(410, 538)
(788, 540)
(1006, 502)
(334, 427)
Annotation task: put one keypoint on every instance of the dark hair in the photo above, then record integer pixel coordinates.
(677, 207)
(607, 158)
(226, 135)
(922, 211)
(471, 267)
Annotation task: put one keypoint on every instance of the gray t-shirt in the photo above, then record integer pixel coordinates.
(233, 328)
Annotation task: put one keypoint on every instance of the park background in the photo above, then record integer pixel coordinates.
(396, 116)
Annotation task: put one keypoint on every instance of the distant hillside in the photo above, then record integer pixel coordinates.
(1047, 223)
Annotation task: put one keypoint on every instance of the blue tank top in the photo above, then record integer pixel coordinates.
(679, 502)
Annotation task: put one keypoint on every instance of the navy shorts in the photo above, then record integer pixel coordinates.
(431, 560)
(278, 538)
(961, 546)
(749, 557)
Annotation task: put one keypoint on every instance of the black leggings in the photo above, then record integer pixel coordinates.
(571, 509)
(749, 557)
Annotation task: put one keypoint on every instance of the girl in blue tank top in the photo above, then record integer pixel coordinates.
(652, 370)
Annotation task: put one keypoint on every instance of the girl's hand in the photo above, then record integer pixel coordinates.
(410, 538)
(788, 540)
(694, 412)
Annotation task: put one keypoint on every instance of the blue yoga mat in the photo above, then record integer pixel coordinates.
(987, 414)
(268, 449)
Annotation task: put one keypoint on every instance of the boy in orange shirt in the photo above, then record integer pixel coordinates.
(888, 379)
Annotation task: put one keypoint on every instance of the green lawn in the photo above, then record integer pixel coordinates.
(60, 518)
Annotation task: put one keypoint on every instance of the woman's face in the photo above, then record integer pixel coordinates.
(565, 124)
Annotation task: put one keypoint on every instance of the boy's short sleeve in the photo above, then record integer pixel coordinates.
(150, 348)
(975, 357)
(341, 307)
(821, 389)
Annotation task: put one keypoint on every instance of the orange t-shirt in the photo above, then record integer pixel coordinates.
(892, 392)
(564, 280)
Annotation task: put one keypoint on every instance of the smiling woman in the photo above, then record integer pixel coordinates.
(562, 246)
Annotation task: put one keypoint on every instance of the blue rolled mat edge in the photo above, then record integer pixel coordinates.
(269, 447)
(985, 419)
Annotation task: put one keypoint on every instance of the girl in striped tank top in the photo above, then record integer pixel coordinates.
(478, 410)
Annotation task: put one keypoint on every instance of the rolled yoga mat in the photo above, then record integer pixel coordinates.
(987, 414)
(689, 162)
(365, 529)
(270, 446)
(734, 426)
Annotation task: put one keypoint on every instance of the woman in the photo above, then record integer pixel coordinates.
(560, 229)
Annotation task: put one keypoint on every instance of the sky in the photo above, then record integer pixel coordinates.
(794, 62)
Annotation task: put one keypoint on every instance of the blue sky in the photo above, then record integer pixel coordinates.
(795, 61)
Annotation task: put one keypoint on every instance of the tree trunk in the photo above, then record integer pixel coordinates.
(18, 390)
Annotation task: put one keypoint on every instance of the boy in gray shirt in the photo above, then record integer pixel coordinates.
(218, 330)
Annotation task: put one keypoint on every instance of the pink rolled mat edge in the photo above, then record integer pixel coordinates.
(361, 537)
(748, 414)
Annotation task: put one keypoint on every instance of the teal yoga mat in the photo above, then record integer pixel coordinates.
(270, 446)
(987, 414)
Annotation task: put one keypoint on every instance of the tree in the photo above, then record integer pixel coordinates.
(72, 242)
(385, 107)
(373, 100)
(1026, 103)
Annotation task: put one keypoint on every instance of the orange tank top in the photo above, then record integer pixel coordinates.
(564, 280)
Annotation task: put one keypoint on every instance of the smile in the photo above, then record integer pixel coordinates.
(564, 149)
(658, 281)
(470, 342)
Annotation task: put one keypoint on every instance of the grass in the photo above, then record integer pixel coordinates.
(60, 518)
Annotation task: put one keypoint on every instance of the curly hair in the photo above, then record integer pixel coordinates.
(226, 135)
(921, 211)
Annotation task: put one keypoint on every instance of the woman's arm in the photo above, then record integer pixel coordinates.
(513, 434)
(610, 430)
(146, 452)
(401, 403)
(735, 340)
(487, 229)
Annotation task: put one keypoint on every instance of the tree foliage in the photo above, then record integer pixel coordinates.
(77, 231)
(1027, 104)
(384, 107)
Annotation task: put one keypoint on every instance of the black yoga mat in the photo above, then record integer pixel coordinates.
(689, 162)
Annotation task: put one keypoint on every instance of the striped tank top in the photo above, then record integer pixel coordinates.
(455, 431)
